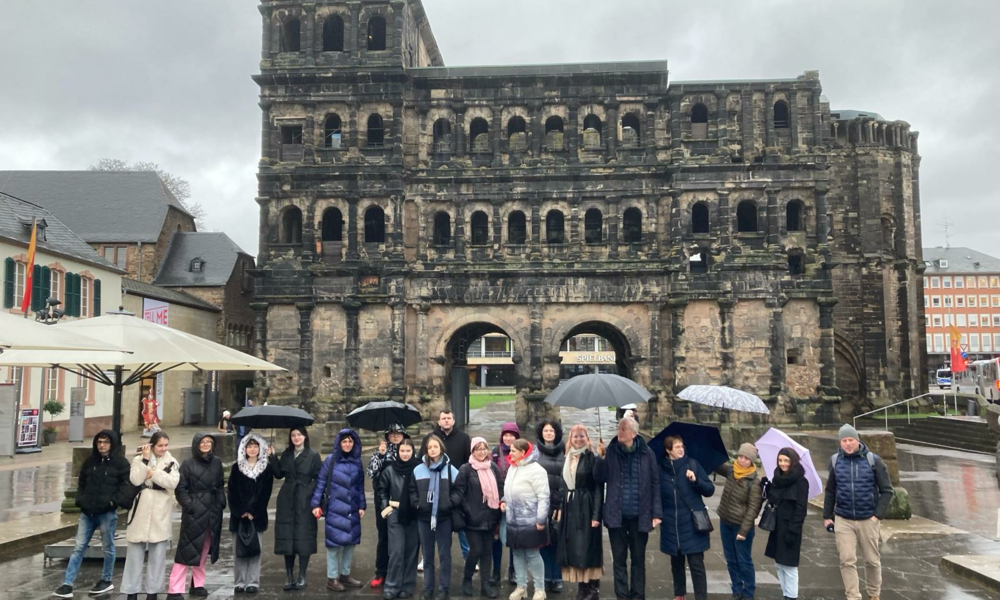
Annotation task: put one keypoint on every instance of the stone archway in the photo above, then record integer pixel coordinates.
(455, 360)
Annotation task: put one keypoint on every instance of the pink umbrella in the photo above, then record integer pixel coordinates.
(772, 442)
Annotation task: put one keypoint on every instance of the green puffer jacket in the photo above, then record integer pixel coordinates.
(741, 499)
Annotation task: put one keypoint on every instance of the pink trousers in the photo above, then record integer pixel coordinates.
(178, 575)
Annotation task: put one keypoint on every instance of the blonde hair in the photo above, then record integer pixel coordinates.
(586, 434)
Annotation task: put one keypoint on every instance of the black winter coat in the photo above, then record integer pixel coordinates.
(202, 498)
(608, 471)
(791, 496)
(395, 484)
(103, 480)
(457, 445)
(294, 525)
(249, 496)
(551, 457)
(581, 545)
(478, 514)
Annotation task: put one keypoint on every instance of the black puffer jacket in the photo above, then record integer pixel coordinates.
(478, 514)
(202, 498)
(294, 526)
(103, 479)
(395, 484)
(551, 457)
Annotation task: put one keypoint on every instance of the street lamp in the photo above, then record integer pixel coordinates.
(50, 313)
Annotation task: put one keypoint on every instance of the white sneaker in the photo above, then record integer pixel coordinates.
(539, 595)
(420, 566)
(477, 568)
(519, 594)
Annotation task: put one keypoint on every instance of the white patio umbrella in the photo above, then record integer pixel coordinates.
(152, 349)
(24, 334)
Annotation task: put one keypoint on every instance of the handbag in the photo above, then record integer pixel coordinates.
(769, 518)
(247, 542)
(702, 522)
(457, 513)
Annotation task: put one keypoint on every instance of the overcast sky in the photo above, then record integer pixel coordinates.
(169, 82)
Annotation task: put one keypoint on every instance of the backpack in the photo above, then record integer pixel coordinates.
(833, 460)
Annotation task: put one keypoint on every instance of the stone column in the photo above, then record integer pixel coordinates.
(614, 218)
(725, 227)
(423, 372)
(572, 137)
(305, 348)
(353, 34)
(265, 40)
(536, 128)
(260, 329)
(458, 140)
(396, 139)
(460, 229)
(497, 222)
(352, 360)
(352, 227)
(396, 235)
(309, 229)
(778, 357)
(653, 224)
(535, 250)
(265, 132)
(263, 230)
(675, 122)
(722, 118)
(649, 132)
(828, 360)
(398, 342)
(612, 129)
(678, 353)
(822, 217)
(726, 306)
(574, 232)
(353, 135)
(308, 23)
(817, 115)
(769, 134)
(655, 310)
(309, 137)
(793, 118)
(773, 224)
(536, 345)
(496, 135)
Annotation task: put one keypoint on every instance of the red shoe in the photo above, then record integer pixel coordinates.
(376, 581)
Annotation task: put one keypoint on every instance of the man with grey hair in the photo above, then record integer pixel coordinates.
(631, 506)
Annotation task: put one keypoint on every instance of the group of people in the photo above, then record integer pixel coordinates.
(546, 501)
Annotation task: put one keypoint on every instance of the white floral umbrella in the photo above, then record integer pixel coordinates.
(720, 396)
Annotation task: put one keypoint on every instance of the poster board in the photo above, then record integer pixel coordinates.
(156, 311)
(27, 428)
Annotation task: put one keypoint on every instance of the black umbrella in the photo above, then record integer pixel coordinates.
(272, 417)
(378, 416)
(598, 390)
(703, 443)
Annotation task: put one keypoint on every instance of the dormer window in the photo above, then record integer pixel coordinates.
(943, 263)
(197, 265)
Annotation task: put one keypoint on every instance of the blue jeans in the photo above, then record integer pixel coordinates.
(529, 561)
(106, 522)
(739, 559)
(463, 543)
(338, 561)
(553, 572)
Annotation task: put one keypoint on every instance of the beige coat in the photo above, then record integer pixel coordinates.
(150, 521)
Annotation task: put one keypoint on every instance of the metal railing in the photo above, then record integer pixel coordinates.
(887, 407)
(490, 354)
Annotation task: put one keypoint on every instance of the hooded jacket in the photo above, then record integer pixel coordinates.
(149, 520)
(202, 498)
(856, 490)
(526, 493)
(609, 472)
(551, 457)
(501, 453)
(250, 487)
(102, 479)
(343, 477)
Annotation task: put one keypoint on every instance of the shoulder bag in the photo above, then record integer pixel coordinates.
(702, 522)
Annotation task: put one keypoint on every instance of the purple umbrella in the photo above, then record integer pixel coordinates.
(772, 442)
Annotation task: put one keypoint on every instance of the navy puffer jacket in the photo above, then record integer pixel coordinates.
(611, 472)
(344, 476)
(677, 533)
(856, 489)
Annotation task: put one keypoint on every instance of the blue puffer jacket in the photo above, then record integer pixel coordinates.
(344, 476)
(856, 489)
(677, 533)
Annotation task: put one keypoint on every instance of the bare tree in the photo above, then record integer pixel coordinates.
(178, 186)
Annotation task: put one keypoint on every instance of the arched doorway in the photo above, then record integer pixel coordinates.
(593, 347)
(478, 354)
(850, 372)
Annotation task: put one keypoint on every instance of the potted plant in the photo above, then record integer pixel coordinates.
(53, 408)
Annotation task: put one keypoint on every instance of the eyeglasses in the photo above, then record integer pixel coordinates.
(108, 442)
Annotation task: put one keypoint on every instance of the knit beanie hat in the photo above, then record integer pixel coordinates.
(748, 450)
(848, 431)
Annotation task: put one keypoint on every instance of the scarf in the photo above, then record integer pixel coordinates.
(526, 454)
(739, 472)
(569, 472)
(487, 482)
(434, 489)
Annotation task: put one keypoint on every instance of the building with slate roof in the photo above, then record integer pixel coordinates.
(731, 232)
(68, 269)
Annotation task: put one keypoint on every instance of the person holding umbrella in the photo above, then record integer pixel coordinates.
(501, 456)
(478, 485)
(250, 484)
(396, 493)
(340, 497)
(295, 526)
(581, 547)
(789, 495)
(386, 453)
(738, 509)
(683, 484)
(552, 456)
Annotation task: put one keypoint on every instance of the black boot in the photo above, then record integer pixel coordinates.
(557, 586)
(489, 590)
(289, 579)
(595, 589)
(582, 590)
(467, 588)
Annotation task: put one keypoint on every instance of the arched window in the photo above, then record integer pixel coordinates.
(632, 225)
(479, 135)
(291, 226)
(630, 131)
(376, 33)
(374, 225)
(794, 213)
(333, 225)
(699, 218)
(480, 229)
(331, 132)
(333, 34)
(376, 131)
(291, 36)
(442, 229)
(796, 262)
(517, 232)
(554, 133)
(592, 132)
(516, 125)
(699, 121)
(781, 115)
(442, 135)
(517, 136)
(554, 227)
(593, 226)
(746, 217)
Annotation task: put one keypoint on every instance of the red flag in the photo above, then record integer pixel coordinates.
(957, 362)
(29, 268)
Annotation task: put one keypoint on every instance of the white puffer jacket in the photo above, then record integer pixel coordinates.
(150, 521)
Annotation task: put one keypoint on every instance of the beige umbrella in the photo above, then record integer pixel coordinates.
(152, 349)
(24, 334)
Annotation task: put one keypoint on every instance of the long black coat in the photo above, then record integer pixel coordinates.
(478, 514)
(202, 498)
(791, 496)
(248, 495)
(580, 545)
(294, 526)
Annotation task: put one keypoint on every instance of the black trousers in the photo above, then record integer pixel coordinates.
(627, 541)
(382, 549)
(481, 552)
(696, 562)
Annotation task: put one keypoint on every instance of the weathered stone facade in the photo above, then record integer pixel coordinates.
(407, 208)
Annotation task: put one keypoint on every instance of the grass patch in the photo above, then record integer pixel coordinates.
(481, 400)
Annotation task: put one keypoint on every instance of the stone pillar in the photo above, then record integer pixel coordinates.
(778, 357)
(396, 235)
(655, 310)
(396, 139)
(572, 137)
(305, 348)
(769, 135)
(352, 360)
(352, 227)
(397, 333)
(653, 224)
(309, 229)
(497, 223)
(574, 232)
(649, 132)
(678, 353)
(460, 229)
(725, 230)
(793, 117)
(353, 135)
(263, 229)
(535, 128)
(822, 217)
(260, 329)
(773, 223)
(726, 306)
(722, 118)
(309, 137)
(458, 140)
(308, 22)
(828, 360)
(353, 33)
(496, 134)
(265, 39)
(423, 372)
(817, 115)
(676, 230)
(265, 132)
(612, 129)
(749, 136)
(536, 344)
(675, 122)
(614, 218)
(535, 250)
